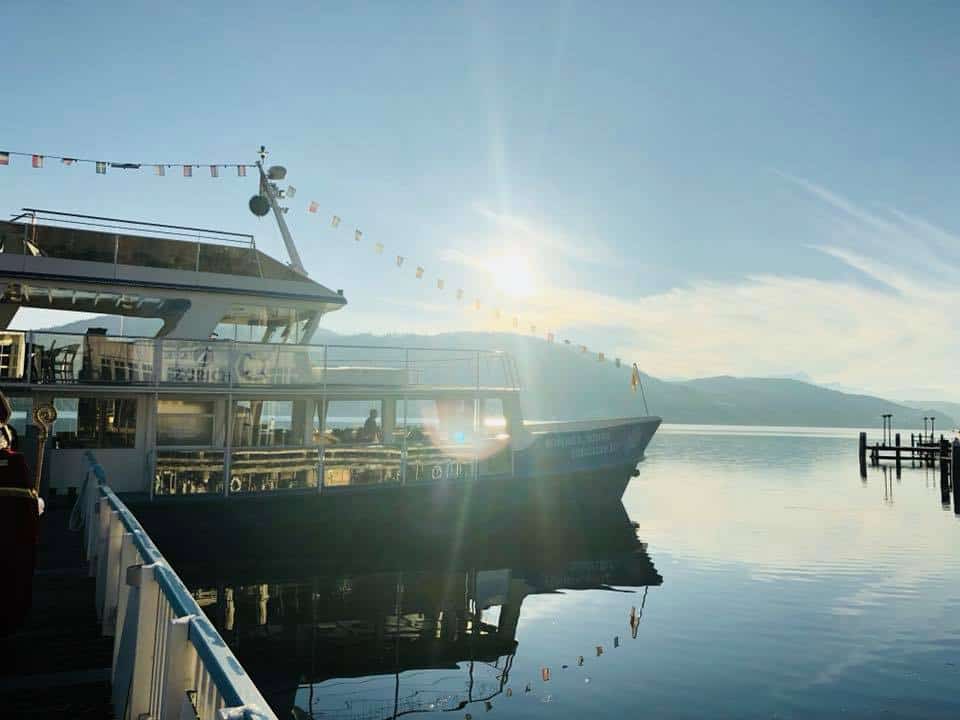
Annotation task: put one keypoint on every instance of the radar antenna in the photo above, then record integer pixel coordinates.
(270, 191)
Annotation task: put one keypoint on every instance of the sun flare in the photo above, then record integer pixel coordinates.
(513, 275)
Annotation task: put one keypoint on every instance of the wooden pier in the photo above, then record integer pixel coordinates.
(925, 450)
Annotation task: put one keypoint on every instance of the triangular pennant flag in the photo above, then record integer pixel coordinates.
(314, 206)
(599, 650)
(439, 284)
(357, 235)
(291, 191)
(378, 248)
(459, 294)
(545, 674)
(188, 170)
(335, 221)
(4, 158)
(400, 259)
(68, 161)
(160, 170)
(580, 661)
(37, 161)
(241, 170)
(214, 171)
(616, 641)
(420, 272)
(101, 167)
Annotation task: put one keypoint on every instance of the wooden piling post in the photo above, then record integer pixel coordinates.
(862, 453)
(944, 460)
(944, 493)
(897, 439)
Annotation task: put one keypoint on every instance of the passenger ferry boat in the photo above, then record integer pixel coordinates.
(229, 399)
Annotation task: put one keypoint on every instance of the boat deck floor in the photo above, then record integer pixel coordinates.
(57, 665)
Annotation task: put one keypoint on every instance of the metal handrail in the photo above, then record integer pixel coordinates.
(223, 234)
(281, 346)
(226, 368)
(152, 670)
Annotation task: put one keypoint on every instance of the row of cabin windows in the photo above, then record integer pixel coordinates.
(112, 422)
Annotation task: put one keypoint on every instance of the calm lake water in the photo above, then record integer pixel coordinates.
(770, 581)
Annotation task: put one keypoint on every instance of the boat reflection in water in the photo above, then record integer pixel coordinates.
(380, 633)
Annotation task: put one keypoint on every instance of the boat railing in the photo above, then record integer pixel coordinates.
(168, 659)
(61, 358)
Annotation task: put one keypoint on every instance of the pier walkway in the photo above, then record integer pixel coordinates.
(113, 632)
(58, 664)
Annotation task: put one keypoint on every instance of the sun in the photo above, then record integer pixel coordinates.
(513, 275)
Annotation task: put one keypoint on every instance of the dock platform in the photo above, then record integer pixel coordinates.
(58, 664)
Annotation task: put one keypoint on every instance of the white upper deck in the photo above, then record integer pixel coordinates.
(191, 278)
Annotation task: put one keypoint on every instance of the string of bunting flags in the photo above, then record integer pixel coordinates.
(38, 160)
(546, 672)
(537, 686)
(636, 383)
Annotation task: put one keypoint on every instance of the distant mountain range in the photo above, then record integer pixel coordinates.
(561, 383)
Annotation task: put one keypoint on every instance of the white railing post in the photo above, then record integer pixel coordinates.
(112, 573)
(178, 668)
(103, 530)
(128, 557)
(90, 522)
(133, 673)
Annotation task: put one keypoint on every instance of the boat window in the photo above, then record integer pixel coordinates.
(493, 448)
(185, 422)
(493, 419)
(95, 422)
(355, 421)
(22, 406)
(439, 439)
(188, 472)
(266, 423)
(360, 448)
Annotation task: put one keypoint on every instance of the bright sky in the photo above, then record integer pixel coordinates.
(752, 189)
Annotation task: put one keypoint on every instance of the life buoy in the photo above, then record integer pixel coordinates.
(235, 484)
(437, 472)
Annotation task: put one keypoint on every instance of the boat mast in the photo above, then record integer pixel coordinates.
(270, 191)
